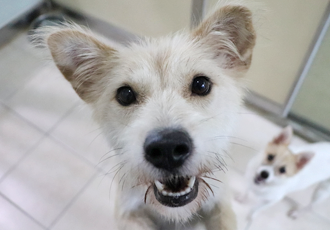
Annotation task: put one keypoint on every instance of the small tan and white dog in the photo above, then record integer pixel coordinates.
(166, 106)
(283, 168)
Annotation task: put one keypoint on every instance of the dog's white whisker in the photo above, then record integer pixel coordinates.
(212, 178)
(207, 185)
(243, 145)
(122, 164)
(112, 150)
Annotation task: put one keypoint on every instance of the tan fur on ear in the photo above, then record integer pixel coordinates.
(284, 138)
(303, 158)
(229, 31)
(82, 59)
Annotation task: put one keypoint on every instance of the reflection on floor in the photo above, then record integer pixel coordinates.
(50, 153)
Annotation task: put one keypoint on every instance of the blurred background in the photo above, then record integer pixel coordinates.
(54, 172)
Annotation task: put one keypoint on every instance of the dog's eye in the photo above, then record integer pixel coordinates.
(282, 170)
(125, 96)
(201, 86)
(270, 157)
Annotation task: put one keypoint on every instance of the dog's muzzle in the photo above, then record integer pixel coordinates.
(263, 175)
(167, 150)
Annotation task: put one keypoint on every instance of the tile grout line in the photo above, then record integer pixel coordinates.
(23, 118)
(26, 154)
(23, 211)
(76, 154)
(66, 114)
(47, 134)
(73, 200)
(7, 98)
(30, 150)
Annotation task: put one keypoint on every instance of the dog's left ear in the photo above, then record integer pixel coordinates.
(229, 33)
(303, 158)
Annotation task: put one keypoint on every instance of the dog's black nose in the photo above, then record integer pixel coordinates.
(168, 148)
(264, 174)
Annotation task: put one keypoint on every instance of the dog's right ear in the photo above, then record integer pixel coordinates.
(303, 158)
(284, 138)
(230, 34)
(82, 59)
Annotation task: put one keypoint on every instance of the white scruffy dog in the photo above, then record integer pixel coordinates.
(166, 106)
(283, 168)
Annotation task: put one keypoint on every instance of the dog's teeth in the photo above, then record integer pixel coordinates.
(159, 185)
(191, 182)
(173, 194)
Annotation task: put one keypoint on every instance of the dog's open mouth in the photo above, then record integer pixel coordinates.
(258, 180)
(176, 191)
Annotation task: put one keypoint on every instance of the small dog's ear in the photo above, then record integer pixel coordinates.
(230, 34)
(303, 158)
(284, 138)
(82, 59)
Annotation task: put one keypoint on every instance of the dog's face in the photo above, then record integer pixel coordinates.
(279, 163)
(165, 105)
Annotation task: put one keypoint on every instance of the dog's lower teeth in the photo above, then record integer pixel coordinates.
(165, 193)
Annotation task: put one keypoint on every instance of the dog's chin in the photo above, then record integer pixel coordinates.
(178, 198)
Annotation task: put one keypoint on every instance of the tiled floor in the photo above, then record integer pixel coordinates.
(50, 149)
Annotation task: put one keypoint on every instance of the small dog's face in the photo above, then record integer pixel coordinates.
(165, 105)
(279, 163)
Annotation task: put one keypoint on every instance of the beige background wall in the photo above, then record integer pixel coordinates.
(285, 30)
(313, 99)
(285, 33)
(142, 17)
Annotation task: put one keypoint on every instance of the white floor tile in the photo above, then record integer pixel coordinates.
(83, 135)
(17, 68)
(46, 181)
(323, 208)
(275, 218)
(13, 219)
(45, 98)
(16, 138)
(94, 209)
